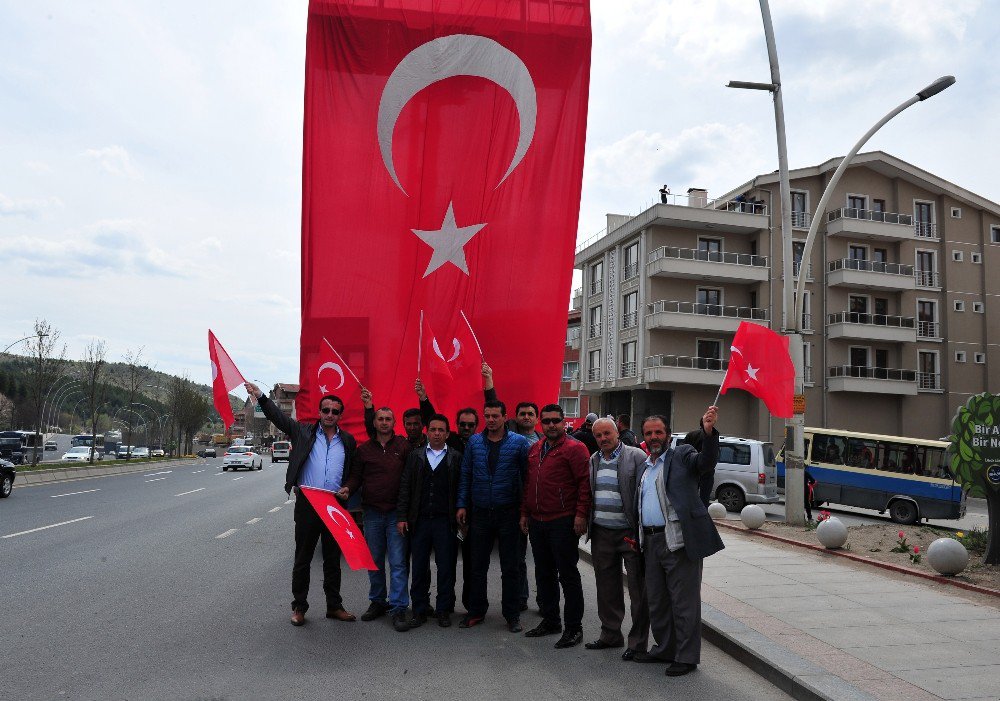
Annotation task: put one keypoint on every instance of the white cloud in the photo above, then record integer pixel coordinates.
(114, 160)
(40, 167)
(27, 207)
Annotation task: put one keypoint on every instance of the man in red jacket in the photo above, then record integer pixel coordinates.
(554, 514)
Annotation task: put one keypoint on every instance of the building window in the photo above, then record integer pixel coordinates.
(570, 406)
(798, 248)
(959, 356)
(926, 269)
(709, 301)
(708, 352)
(629, 367)
(880, 255)
(977, 257)
(928, 377)
(709, 249)
(807, 362)
(630, 310)
(878, 206)
(597, 278)
(978, 307)
(956, 212)
(980, 358)
(858, 356)
(596, 316)
(957, 256)
(859, 203)
(995, 234)
(594, 366)
(571, 370)
(630, 261)
(800, 210)
(923, 220)
(959, 305)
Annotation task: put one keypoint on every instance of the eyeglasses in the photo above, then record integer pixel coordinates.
(328, 410)
(467, 424)
(549, 422)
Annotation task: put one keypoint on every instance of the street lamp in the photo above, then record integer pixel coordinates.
(39, 336)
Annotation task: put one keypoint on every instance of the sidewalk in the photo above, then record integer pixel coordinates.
(822, 627)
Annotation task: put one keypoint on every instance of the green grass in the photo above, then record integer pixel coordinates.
(40, 467)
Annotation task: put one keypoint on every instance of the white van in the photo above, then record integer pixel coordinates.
(280, 451)
(745, 474)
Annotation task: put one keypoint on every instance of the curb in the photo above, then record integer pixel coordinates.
(796, 676)
(72, 474)
(858, 558)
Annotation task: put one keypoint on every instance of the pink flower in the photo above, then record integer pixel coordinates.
(901, 534)
(916, 549)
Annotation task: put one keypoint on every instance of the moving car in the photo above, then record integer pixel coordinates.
(7, 475)
(51, 445)
(140, 452)
(156, 453)
(745, 474)
(238, 456)
(80, 453)
(206, 453)
(280, 450)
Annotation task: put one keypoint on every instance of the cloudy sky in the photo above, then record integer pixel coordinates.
(151, 151)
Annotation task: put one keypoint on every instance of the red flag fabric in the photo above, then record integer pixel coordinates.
(760, 364)
(331, 374)
(225, 378)
(442, 163)
(343, 528)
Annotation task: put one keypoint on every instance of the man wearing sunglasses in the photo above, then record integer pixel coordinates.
(321, 457)
(554, 515)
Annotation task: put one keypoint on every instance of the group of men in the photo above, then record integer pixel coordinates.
(439, 492)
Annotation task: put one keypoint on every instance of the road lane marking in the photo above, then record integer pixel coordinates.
(154, 474)
(71, 494)
(157, 479)
(253, 521)
(238, 478)
(227, 533)
(54, 525)
(196, 472)
(277, 508)
(191, 492)
(219, 473)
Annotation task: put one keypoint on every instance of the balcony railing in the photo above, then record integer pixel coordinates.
(629, 369)
(595, 330)
(675, 307)
(807, 321)
(927, 278)
(630, 271)
(571, 375)
(597, 287)
(871, 266)
(869, 215)
(797, 266)
(685, 361)
(708, 256)
(743, 207)
(903, 322)
(801, 220)
(807, 373)
(925, 230)
(928, 380)
(594, 375)
(572, 335)
(630, 320)
(928, 329)
(870, 373)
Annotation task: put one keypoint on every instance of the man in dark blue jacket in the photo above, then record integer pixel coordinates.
(489, 496)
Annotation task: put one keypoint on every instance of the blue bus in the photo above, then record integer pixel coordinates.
(908, 477)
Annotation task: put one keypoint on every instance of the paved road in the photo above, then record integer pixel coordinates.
(174, 583)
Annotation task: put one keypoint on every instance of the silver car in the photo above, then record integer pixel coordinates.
(745, 474)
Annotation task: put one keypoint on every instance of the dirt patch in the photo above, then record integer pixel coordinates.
(876, 541)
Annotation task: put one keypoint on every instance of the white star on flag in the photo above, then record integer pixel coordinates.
(751, 371)
(322, 389)
(448, 242)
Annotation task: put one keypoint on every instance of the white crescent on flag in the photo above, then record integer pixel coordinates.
(331, 366)
(334, 516)
(455, 345)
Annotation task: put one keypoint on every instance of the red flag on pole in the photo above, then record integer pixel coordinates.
(432, 368)
(343, 528)
(332, 375)
(225, 378)
(760, 364)
(442, 164)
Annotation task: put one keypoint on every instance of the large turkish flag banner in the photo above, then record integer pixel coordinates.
(442, 164)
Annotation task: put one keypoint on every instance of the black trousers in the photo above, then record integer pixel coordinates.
(554, 546)
(501, 526)
(435, 533)
(309, 529)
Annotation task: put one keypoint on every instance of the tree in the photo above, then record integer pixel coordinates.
(190, 410)
(94, 367)
(44, 371)
(136, 375)
(6, 412)
(975, 459)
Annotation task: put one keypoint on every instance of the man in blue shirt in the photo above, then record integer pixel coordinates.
(320, 457)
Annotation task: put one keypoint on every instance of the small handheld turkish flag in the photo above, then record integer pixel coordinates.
(341, 525)
(334, 376)
(760, 364)
(432, 365)
(225, 378)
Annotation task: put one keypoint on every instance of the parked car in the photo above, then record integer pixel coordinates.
(206, 453)
(745, 474)
(7, 475)
(140, 452)
(81, 453)
(280, 450)
(156, 453)
(125, 451)
(51, 445)
(238, 456)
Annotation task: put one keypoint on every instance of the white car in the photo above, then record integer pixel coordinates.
(156, 453)
(238, 456)
(140, 452)
(80, 453)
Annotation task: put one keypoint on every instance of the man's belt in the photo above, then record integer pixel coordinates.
(651, 530)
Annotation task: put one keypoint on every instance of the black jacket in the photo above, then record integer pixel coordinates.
(302, 434)
(412, 484)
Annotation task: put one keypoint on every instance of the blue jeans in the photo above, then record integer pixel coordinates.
(384, 540)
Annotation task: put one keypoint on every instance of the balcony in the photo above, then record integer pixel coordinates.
(866, 224)
(926, 230)
(629, 369)
(928, 330)
(717, 266)
(801, 220)
(927, 279)
(871, 327)
(594, 375)
(630, 320)
(573, 337)
(596, 287)
(797, 266)
(695, 316)
(595, 330)
(630, 271)
(870, 274)
(578, 299)
(929, 382)
(854, 378)
(682, 369)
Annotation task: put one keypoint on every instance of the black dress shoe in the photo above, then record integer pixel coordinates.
(600, 645)
(375, 610)
(679, 669)
(544, 628)
(569, 639)
(523, 606)
(399, 622)
(514, 626)
(418, 619)
(444, 619)
(628, 654)
(646, 657)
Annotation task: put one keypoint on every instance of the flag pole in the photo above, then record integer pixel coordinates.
(474, 338)
(420, 342)
(330, 345)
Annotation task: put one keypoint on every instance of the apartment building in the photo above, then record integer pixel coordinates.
(574, 405)
(900, 312)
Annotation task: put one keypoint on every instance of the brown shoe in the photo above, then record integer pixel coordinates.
(298, 617)
(341, 615)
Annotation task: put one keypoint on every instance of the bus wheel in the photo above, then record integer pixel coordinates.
(731, 497)
(903, 511)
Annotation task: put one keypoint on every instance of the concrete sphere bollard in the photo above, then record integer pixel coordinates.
(832, 533)
(753, 516)
(947, 556)
(717, 511)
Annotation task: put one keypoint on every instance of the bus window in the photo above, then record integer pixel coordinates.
(937, 464)
(829, 449)
(911, 463)
(861, 453)
(891, 455)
